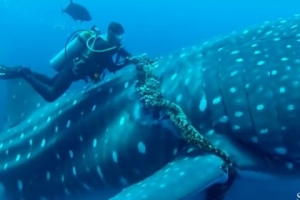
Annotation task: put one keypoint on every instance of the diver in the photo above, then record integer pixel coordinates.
(85, 58)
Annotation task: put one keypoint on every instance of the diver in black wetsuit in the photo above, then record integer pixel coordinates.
(89, 65)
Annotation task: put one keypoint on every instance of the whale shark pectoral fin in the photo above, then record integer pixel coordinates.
(179, 179)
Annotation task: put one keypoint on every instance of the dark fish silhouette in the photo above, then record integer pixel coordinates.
(243, 96)
(77, 12)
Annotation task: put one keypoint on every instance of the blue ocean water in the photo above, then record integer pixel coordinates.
(32, 32)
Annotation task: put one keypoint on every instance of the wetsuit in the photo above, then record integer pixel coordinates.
(52, 88)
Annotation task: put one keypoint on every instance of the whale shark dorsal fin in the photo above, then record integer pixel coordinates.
(21, 101)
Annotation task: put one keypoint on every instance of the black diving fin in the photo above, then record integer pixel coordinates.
(10, 72)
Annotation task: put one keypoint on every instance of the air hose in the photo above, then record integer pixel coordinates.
(93, 37)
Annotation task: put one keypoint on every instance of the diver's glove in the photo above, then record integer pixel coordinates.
(131, 60)
(13, 72)
(78, 64)
(142, 59)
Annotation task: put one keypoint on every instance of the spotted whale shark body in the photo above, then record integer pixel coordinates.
(240, 91)
(88, 142)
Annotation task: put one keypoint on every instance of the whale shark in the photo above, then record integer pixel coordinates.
(239, 91)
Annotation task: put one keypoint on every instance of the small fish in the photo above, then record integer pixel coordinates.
(77, 12)
(241, 92)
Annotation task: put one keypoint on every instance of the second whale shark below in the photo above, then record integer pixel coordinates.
(240, 91)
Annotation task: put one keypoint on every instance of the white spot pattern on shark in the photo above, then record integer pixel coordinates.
(93, 134)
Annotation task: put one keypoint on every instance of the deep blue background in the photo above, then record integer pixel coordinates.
(32, 31)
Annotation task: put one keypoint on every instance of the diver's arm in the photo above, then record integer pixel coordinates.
(117, 65)
(124, 53)
(113, 67)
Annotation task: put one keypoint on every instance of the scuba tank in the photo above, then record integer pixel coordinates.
(74, 48)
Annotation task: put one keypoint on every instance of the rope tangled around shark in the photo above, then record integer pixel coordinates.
(148, 89)
(150, 95)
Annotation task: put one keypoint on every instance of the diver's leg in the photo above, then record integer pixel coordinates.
(61, 82)
(7, 73)
(43, 78)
